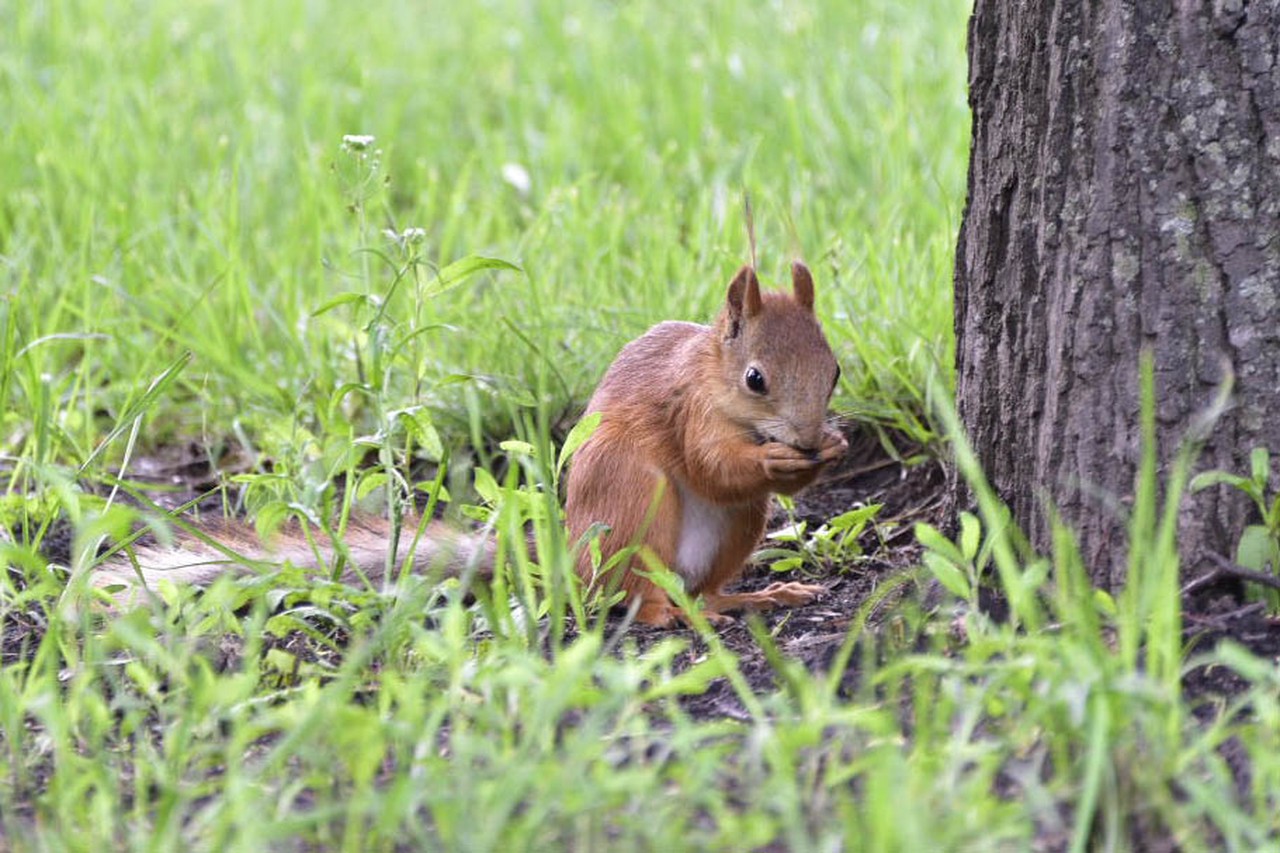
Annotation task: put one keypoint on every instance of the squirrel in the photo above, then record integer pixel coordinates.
(708, 422)
(699, 426)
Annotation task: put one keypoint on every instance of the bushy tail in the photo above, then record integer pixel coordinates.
(194, 559)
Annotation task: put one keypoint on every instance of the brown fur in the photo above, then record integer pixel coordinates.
(363, 554)
(679, 425)
(681, 467)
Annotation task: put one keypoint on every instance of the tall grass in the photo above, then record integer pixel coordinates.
(327, 716)
(1091, 686)
(187, 253)
(170, 188)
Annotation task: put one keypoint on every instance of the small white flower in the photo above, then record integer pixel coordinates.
(407, 237)
(517, 176)
(356, 142)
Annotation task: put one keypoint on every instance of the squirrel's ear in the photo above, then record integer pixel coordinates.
(802, 284)
(744, 295)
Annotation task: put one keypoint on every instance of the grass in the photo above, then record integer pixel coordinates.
(171, 189)
(188, 253)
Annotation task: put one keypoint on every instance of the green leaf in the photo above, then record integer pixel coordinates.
(475, 513)
(790, 533)
(928, 536)
(460, 270)
(523, 448)
(1256, 548)
(369, 482)
(855, 518)
(970, 535)
(375, 440)
(1260, 467)
(306, 512)
(427, 486)
(947, 574)
(577, 436)
(487, 487)
(269, 518)
(419, 424)
(338, 301)
(1273, 515)
(340, 393)
(1212, 478)
(767, 554)
(1036, 573)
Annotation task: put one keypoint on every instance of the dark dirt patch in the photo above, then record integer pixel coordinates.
(1214, 616)
(188, 469)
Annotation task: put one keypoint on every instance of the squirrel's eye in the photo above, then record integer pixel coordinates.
(755, 380)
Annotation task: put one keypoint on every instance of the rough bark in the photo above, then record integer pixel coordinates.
(1124, 192)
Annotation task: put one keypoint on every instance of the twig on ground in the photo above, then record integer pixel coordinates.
(1222, 621)
(1227, 567)
(1204, 581)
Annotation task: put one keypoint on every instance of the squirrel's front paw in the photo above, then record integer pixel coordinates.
(834, 444)
(782, 461)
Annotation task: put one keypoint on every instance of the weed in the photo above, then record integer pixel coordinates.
(1259, 545)
(836, 541)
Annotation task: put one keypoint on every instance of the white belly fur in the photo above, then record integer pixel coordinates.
(703, 528)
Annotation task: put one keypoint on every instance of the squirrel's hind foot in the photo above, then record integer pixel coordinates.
(783, 594)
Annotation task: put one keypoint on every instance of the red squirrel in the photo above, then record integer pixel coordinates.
(712, 420)
(699, 426)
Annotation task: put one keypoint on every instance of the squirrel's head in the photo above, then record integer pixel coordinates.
(777, 369)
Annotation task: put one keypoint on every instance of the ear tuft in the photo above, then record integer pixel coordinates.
(802, 284)
(743, 300)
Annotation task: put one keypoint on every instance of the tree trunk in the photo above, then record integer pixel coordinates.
(1124, 193)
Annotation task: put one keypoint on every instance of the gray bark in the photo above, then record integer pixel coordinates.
(1124, 192)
